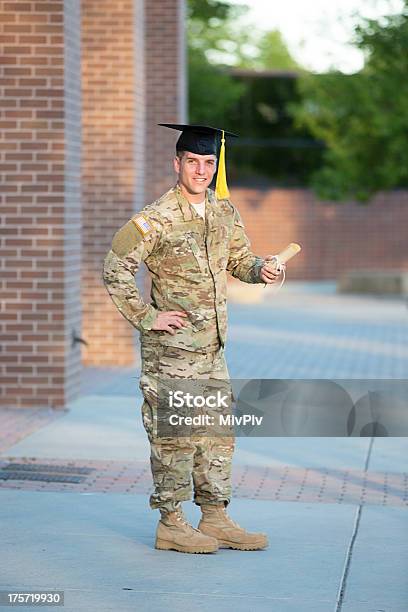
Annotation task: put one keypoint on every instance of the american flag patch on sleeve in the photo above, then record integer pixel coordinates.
(143, 225)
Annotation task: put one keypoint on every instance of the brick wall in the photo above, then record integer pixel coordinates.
(166, 96)
(335, 237)
(73, 205)
(40, 204)
(124, 166)
(165, 90)
(48, 51)
(111, 188)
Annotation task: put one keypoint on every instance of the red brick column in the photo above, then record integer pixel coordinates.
(165, 89)
(131, 79)
(40, 202)
(113, 163)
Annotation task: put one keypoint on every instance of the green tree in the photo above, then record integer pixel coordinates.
(217, 42)
(206, 10)
(363, 118)
(212, 91)
(269, 53)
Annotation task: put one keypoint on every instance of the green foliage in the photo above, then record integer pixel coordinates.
(211, 29)
(363, 118)
(270, 52)
(215, 42)
(205, 10)
(270, 149)
(212, 91)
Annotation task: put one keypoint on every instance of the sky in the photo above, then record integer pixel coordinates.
(317, 32)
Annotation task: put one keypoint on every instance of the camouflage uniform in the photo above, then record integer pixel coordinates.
(187, 258)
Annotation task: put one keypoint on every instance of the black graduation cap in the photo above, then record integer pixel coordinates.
(199, 139)
(205, 140)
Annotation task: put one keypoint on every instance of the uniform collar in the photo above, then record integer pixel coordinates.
(184, 204)
(187, 210)
(211, 207)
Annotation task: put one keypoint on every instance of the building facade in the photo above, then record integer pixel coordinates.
(83, 86)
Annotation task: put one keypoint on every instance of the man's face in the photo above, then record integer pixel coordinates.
(195, 172)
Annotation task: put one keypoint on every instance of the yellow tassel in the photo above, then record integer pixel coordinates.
(221, 187)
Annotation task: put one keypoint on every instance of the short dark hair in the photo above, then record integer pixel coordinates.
(181, 152)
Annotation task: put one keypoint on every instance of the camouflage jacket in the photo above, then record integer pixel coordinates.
(187, 258)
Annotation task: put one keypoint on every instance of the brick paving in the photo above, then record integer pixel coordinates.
(312, 337)
(315, 336)
(283, 483)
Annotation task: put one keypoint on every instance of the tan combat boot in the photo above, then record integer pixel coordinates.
(215, 522)
(175, 533)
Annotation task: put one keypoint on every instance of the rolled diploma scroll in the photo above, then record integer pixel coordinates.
(284, 256)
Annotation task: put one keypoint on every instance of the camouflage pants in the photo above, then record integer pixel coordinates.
(176, 461)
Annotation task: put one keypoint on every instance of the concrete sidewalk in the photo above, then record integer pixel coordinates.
(98, 547)
(345, 550)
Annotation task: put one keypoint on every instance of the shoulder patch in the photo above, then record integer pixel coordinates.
(126, 239)
(142, 225)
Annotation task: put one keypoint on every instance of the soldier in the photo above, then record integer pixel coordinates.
(188, 238)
